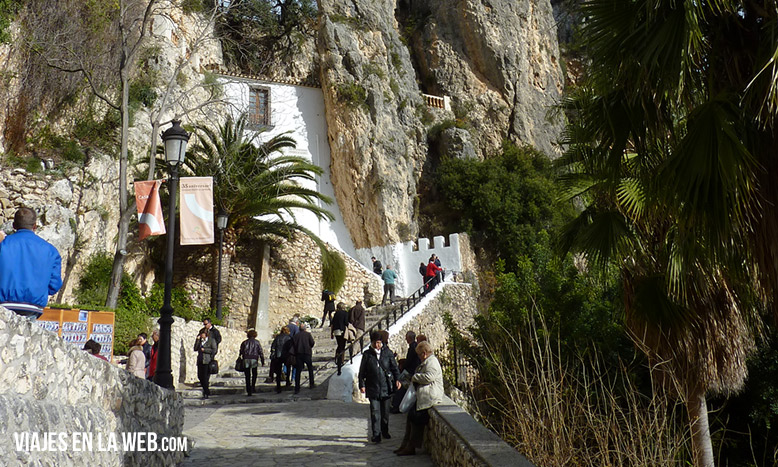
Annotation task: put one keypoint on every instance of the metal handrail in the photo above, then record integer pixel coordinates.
(410, 302)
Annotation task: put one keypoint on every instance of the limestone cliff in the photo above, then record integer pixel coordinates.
(377, 141)
(497, 60)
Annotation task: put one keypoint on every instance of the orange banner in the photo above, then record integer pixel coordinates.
(150, 219)
(196, 210)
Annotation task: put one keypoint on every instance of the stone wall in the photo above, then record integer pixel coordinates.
(50, 386)
(295, 282)
(456, 299)
(453, 438)
(73, 213)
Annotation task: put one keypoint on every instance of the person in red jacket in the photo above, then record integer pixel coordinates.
(432, 272)
(153, 360)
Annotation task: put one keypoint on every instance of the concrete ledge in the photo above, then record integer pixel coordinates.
(454, 438)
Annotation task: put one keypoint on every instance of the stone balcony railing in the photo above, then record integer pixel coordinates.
(453, 438)
(438, 102)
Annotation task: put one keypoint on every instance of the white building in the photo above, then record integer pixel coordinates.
(275, 108)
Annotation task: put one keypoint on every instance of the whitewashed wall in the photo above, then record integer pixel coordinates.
(299, 110)
(405, 258)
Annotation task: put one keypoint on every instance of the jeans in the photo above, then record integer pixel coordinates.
(251, 379)
(304, 359)
(340, 351)
(379, 416)
(388, 290)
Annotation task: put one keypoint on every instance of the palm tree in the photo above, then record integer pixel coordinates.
(671, 149)
(257, 184)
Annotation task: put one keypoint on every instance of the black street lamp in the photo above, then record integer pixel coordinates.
(175, 139)
(221, 224)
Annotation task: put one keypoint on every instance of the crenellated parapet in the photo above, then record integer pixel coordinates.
(405, 258)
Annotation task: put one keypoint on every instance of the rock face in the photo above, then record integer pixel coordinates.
(498, 61)
(377, 141)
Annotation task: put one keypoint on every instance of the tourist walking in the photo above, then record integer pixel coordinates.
(356, 316)
(302, 345)
(432, 273)
(337, 331)
(389, 277)
(329, 305)
(428, 381)
(206, 348)
(136, 363)
(378, 379)
(279, 353)
(294, 324)
(423, 272)
(30, 268)
(212, 331)
(152, 368)
(146, 349)
(441, 276)
(408, 365)
(377, 266)
(251, 351)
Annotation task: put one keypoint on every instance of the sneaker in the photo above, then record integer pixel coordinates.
(386, 435)
(375, 439)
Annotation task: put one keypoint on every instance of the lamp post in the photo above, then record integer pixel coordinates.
(175, 139)
(221, 224)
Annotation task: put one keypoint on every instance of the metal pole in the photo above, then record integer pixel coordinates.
(219, 278)
(164, 375)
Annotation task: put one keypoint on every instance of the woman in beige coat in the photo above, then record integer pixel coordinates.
(428, 380)
(137, 361)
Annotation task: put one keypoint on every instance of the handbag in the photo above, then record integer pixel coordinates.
(213, 367)
(409, 399)
(351, 333)
(239, 364)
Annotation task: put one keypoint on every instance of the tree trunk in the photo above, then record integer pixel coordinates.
(702, 448)
(124, 216)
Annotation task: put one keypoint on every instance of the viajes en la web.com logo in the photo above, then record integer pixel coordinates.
(143, 441)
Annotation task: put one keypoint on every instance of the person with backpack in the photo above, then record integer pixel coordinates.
(329, 305)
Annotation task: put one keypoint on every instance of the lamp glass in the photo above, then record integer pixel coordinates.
(221, 220)
(175, 150)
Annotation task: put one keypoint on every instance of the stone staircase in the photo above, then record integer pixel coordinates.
(229, 386)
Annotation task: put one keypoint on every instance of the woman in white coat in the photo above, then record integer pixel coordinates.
(136, 363)
(428, 380)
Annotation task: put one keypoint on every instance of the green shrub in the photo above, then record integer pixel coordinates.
(505, 201)
(333, 270)
(133, 308)
(352, 94)
(373, 68)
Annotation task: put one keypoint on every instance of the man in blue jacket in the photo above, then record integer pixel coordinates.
(30, 268)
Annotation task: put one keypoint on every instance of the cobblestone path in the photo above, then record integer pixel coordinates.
(313, 433)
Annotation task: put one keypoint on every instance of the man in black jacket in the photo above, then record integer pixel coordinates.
(302, 345)
(378, 268)
(409, 365)
(378, 379)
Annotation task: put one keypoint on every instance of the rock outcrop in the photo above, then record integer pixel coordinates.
(377, 141)
(498, 61)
